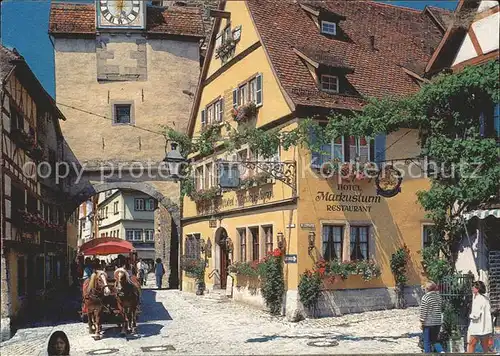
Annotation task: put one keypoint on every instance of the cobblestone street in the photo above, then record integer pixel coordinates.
(174, 322)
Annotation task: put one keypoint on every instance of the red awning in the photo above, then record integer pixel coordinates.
(106, 246)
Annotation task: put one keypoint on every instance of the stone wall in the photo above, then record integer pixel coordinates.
(347, 301)
(153, 75)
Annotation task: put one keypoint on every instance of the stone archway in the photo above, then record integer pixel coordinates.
(167, 221)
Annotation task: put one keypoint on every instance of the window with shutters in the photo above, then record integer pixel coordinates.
(213, 112)
(347, 149)
(249, 91)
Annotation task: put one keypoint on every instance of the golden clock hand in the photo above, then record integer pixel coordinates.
(120, 6)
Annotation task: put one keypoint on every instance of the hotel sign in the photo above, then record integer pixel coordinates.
(349, 198)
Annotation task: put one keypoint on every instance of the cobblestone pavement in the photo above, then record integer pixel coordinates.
(175, 322)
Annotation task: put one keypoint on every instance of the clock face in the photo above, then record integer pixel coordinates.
(120, 12)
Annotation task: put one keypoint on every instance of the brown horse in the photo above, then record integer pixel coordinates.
(128, 295)
(94, 290)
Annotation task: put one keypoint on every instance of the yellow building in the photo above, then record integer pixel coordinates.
(270, 66)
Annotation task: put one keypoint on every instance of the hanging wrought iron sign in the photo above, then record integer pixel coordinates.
(388, 182)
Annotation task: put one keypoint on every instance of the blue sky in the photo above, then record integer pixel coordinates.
(25, 25)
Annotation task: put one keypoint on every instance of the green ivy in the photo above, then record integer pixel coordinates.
(273, 283)
(309, 289)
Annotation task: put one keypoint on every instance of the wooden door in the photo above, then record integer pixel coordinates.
(223, 265)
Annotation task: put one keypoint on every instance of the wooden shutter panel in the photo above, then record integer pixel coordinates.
(315, 156)
(379, 149)
(203, 118)
(221, 112)
(258, 94)
(235, 98)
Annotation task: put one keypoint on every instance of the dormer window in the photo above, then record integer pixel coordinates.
(330, 83)
(328, 28)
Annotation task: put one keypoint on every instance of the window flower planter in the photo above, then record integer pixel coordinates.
(205, 195)
(225, 48)
(245, 112)
(255, 181)
(25, 140)
(37, 153)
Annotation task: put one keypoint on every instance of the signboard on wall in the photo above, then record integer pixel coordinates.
(308, 226)
(290, 258)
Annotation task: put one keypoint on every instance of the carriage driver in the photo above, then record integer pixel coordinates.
(87, 271)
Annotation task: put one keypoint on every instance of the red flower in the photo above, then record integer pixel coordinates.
(321, 271)
(277, 252)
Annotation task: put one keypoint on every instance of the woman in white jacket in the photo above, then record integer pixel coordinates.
(481, 323)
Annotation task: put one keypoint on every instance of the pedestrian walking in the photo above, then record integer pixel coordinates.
(142, 271)
(159, 272)
(431, 318)
(481, 322)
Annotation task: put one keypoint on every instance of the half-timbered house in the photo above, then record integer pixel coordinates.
(33, 228)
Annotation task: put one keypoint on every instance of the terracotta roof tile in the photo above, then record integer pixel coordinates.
(445, 17)
(7, 61)
(403, 38)
(80, 19)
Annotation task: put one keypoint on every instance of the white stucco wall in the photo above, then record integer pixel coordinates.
(473, 255)
(487, 32)
(486, 4)
(466, 51)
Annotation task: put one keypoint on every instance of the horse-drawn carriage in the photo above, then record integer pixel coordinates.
(112, 298)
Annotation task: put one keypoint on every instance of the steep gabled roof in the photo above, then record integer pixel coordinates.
(404, 42)
(79, 19)
(13, 62)
(453, 38)
(403, 37)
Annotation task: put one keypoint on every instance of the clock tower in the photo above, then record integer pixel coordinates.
(121, 14)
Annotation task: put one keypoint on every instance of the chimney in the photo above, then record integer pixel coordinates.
(372, 42)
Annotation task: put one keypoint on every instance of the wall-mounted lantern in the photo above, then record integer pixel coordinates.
(174, 160)
(203, 246)
(281, 241)
(312, 240)
(208, 248)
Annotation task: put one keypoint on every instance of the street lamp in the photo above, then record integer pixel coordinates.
(174, 160)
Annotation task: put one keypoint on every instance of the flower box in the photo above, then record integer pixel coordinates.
(23, 139)
(37, 153)
(245, 112)
(225, 48)
(205, 194)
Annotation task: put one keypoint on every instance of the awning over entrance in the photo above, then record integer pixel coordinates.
(106, 246)
(482, 214)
